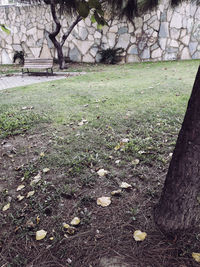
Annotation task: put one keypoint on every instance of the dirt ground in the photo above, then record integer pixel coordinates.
(105, 235)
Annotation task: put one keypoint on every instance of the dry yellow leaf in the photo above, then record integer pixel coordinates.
(104, 201)
(45, 170)
(20, 187)
(66, 226)
(19, 197)
(51, 238)
(125, 185)
(102, 172)
(40, 234)
(118, 146)
(6, 207)
(30, 194)
(75, 221)
(196, 256)
(139, 236)
(135, 161)
(36, 179)
(37, 219)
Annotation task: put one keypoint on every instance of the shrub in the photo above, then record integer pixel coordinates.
(111, 55)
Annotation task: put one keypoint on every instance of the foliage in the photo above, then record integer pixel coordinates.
(111, 55)
(19, 57)
(4, 28)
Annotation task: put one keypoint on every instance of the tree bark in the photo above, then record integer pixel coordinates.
(178, 208)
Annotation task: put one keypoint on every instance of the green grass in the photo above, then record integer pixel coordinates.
(144, 102)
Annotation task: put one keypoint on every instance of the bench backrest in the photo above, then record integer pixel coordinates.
(43, 62)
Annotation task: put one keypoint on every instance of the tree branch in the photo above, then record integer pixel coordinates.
(56, 20)
(78, 19)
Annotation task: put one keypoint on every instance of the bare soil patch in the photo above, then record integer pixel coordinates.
(105, 235)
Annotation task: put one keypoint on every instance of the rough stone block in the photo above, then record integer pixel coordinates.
(146, 53)
(5, 58)
(185, 54)
(193, 47)
(132, 58)
(123, 40)
(164, 30)
(75, 55)
(83, 33)
(133, 50)
(176, 21)
(88, 58)
(156, 53)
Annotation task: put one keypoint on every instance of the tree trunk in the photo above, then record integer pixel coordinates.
(61, 60)
(178, 208)
(52, 35)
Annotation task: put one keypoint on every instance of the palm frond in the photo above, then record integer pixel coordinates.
(131, 8)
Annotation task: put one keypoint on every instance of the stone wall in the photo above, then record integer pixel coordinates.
(162, 34)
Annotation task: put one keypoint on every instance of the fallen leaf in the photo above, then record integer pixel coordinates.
(36, 179)
(70, 229)
(125, 185)
(116, 192)
(104, 201)
(75, 221)
(83, 121)
(20, 187)
(139, 236)
(135, 161)
(69, 261)
(141, 152)
(125, 140)
(42, 154)
(19, 197)
(30, 194)
(6, 207)
(51, 238)
(45, 170)
(40, 234)
(30, 224)
(102, 172)
(196, 256)
(118, 146)
(66, 225)
(37, 219)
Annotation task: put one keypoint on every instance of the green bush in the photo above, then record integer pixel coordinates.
(111, 55)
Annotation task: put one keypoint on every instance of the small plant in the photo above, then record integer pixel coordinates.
(18, 57)
(111, 55)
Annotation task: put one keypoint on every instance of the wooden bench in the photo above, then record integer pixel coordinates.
(38, 63)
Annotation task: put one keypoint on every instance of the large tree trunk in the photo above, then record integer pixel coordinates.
(178, 206)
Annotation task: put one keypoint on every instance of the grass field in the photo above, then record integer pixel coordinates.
(56, 136)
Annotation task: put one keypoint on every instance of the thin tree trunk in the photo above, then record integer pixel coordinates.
(178, 206)
(52, 35)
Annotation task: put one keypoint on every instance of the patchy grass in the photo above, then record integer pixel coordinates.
(72, 67)
(124, 119)
(15, 121)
